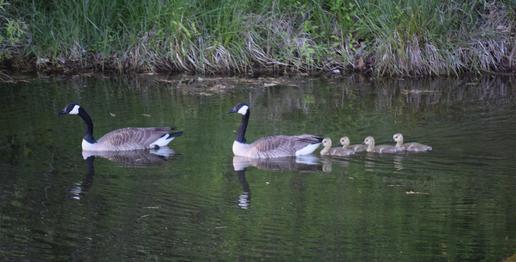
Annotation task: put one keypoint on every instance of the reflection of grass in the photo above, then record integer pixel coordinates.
(409, 37)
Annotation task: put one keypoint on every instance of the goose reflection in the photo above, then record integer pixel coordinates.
(307, 163)
(135, 158)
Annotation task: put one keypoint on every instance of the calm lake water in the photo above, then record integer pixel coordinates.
(456, 203)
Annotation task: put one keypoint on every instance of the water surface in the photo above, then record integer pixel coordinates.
(455, 203)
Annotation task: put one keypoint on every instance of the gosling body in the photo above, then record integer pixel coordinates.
(410, 147)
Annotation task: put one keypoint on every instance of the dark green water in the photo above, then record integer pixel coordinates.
(456, 203)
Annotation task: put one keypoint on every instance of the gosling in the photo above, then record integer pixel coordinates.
(344, 141)
(335, 151)
(409, 147)
(381, 149)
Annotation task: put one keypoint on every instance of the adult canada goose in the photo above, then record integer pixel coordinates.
(270, 146)
(130, 138)
(382, 149)
(410, 147)
(344, 141)
(335, 151)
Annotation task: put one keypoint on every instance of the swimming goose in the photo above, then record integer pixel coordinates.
(270, 146)
(410, 147)
(369, 141)
(130, 138)
(335, 151)
(344, 141)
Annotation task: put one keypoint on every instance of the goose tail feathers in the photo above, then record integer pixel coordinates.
(165, 139)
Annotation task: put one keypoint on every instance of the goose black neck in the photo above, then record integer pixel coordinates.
(240, 137)
(88, 131)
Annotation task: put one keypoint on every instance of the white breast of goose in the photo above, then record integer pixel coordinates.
(87, 146)
(242, 149)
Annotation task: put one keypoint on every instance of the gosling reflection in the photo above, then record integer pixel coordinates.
(327, 163)
(240, 164)
(374, 162)
(136, 158)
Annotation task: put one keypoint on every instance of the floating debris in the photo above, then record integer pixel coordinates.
(416, 193)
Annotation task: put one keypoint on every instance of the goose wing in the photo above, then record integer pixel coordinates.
(281, 146)
(133, 137)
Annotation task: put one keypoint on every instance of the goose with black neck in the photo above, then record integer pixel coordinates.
(270, 146)
(124, 139)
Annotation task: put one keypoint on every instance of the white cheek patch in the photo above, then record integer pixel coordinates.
(243, 110)
(75, 110)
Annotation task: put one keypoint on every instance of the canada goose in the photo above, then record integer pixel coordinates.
(335, 151)
(270, 146)
(369, 141)
(130, 138)
(344, 141)
(410, 147)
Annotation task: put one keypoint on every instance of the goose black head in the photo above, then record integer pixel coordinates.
(241, 108)
(70, 109)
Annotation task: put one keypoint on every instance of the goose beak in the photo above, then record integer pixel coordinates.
(61, 113)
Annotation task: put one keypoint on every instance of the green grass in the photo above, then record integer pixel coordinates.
(392, 37)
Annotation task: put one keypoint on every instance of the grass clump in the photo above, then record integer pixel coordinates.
(393, 37)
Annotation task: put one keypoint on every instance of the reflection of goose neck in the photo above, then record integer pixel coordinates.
(240, 137)
(88, 132)
(244, 200)
(79, 189)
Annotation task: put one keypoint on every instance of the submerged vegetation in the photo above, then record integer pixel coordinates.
(392, 37)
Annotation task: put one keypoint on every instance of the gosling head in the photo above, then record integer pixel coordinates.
(241, 108)
(344, 141)
(369, 141)
(326, 142)
(398, 138)
(70, 109)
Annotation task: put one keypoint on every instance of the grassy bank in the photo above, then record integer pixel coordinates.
(391, 37)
